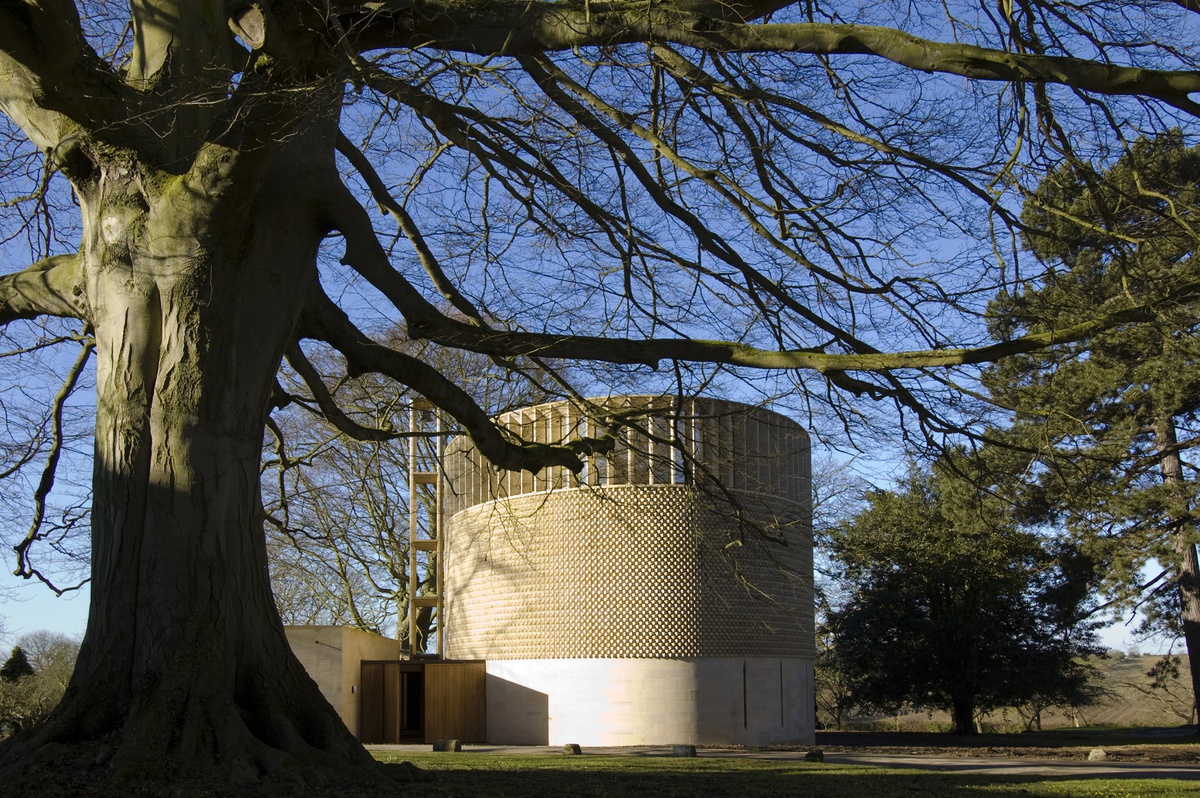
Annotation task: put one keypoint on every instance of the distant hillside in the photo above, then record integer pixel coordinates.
(1131, 701)
(1127, 698)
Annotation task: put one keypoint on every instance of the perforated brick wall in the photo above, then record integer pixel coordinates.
(670, 567)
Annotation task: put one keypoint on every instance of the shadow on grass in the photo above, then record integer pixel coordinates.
(466, 775)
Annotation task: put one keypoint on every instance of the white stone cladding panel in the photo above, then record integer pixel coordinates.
(635, 571)
(612, 702)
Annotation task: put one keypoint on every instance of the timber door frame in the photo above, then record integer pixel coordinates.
(385, 698)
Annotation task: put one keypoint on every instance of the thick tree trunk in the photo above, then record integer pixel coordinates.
(1189, 599)
(1187, 568)
(962, 712)
(185, 672)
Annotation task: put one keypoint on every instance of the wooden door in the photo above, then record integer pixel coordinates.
(391, 702)
(455, 701)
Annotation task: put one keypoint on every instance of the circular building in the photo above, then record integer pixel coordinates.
(663, 595)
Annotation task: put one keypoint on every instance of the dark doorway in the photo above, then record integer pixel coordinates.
(392, 702)
(412, 705)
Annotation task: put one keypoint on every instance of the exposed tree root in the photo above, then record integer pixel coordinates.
(100, 769)
(196, 742)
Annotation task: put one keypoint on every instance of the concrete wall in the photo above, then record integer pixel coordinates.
(603, 702)
(333, 657)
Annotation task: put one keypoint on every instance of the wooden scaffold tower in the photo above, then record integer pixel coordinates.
(426, 488)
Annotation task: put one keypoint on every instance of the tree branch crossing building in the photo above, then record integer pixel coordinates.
(661, 595)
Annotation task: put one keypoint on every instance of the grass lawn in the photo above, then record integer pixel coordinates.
(465, 775)
(1125, 744)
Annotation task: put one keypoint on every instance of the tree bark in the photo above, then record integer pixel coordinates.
(962, 712)
(185, 672)
(1187, 579)
(1189, 599)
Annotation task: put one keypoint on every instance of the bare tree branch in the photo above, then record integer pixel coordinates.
(49, 72)
(328, 405)
(325, 321)
(429, 261)
(683, 68)
(1190, 5)
(424, 321)
(512, 27)
(50, 287)
(24, 568)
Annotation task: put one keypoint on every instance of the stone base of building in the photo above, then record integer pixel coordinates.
(616, 702)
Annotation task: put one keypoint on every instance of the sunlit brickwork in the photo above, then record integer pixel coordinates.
(691, 542)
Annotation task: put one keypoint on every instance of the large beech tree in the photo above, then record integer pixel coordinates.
(753, 185)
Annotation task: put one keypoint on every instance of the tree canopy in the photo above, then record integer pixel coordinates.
(813, 200)
(33, 679)
(1106, 430)
(950, 607)
(16, 666)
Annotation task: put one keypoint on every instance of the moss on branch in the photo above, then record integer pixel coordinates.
(50, 287)
(515, 27)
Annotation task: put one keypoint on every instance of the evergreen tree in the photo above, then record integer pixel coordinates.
(34, 678)
(1106, 426)
(952, 607)
(16, 667)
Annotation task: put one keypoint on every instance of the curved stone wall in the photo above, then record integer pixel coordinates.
(709, 443)
(604, 702)
(686, 555)
(631, 571)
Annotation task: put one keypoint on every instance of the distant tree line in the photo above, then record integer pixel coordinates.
(33, 679)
